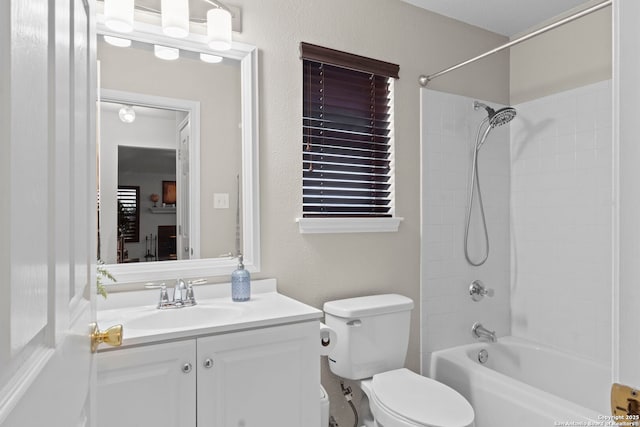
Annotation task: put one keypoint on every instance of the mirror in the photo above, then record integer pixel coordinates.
(214, 213)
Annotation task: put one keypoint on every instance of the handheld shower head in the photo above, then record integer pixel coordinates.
(496, 118)
(502, 116)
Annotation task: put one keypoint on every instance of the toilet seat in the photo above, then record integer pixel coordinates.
(404, 398)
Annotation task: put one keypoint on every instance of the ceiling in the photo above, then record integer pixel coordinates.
(506, 17)
(146, 160)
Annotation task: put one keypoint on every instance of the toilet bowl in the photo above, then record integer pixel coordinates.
(401, 398)
(373, 336)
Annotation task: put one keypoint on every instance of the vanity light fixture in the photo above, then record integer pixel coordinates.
(118, 15)
(165, 52)
(219, 29)
(175, 18)
(117, 41)
(211, 59)
(127, 114)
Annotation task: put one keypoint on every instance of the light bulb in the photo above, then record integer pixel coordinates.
(127, 114)
(165, 52)
(175, 18)
(117, 41)
(118, 15)
(219, 29)
(211, 59)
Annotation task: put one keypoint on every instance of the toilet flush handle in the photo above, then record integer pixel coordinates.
(356, 322)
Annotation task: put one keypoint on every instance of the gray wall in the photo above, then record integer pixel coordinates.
(571, 56)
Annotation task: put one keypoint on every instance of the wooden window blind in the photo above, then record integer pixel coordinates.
(347, 134)
(129, 213)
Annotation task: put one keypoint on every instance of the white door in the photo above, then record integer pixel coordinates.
(183, 199)
(627, 107)
(48, 215)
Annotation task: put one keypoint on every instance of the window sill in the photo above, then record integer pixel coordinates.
(348, 225)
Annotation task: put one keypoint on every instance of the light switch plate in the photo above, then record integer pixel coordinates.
(221, 200)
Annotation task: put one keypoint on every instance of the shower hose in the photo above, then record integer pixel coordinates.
(475, 183)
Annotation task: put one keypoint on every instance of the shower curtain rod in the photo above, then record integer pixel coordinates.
(424, 80)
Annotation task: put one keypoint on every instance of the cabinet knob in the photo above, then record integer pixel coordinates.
(208, 363)
(186, 368)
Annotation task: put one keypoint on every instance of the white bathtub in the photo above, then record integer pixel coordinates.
(525, 384)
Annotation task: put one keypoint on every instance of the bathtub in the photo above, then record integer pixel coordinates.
(526, 384)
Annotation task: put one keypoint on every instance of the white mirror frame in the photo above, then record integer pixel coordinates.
(196, 268)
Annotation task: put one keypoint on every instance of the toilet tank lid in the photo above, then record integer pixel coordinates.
(368, 305)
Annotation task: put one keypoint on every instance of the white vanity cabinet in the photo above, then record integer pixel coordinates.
(264, 377)
(260, 378)
(152, 385)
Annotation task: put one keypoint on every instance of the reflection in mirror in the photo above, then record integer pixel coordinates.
(146, 236)
(214, 164)
(144, 150)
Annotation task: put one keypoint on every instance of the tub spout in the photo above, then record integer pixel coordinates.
(479, 331)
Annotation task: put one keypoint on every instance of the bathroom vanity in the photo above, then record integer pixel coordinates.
(218, 363)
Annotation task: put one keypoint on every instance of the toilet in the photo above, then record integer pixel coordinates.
(324, 408)
(373, 336)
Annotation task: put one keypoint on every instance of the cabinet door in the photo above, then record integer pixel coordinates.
(260, 378)
(152, 386)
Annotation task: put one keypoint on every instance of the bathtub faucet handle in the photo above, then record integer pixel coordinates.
(477, 290)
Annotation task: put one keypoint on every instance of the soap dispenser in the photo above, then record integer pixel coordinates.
(240, 283)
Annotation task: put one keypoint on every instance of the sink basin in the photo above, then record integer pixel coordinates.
(187, 317)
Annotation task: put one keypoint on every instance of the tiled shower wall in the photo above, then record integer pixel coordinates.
(449, 126)
(562, 196)
(551, 251)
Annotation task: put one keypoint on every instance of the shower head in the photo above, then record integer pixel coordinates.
(502, 116)
(496, 118)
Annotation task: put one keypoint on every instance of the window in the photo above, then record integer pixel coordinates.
(129, 213)
(347, 137)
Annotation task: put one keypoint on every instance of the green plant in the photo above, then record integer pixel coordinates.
(102, 273)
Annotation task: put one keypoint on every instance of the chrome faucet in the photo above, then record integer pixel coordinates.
(183, 295)
(480, 332)
(179, 292)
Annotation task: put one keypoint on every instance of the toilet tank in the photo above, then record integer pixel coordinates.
(372, 334)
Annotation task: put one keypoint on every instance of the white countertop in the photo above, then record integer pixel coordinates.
(215, 313)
